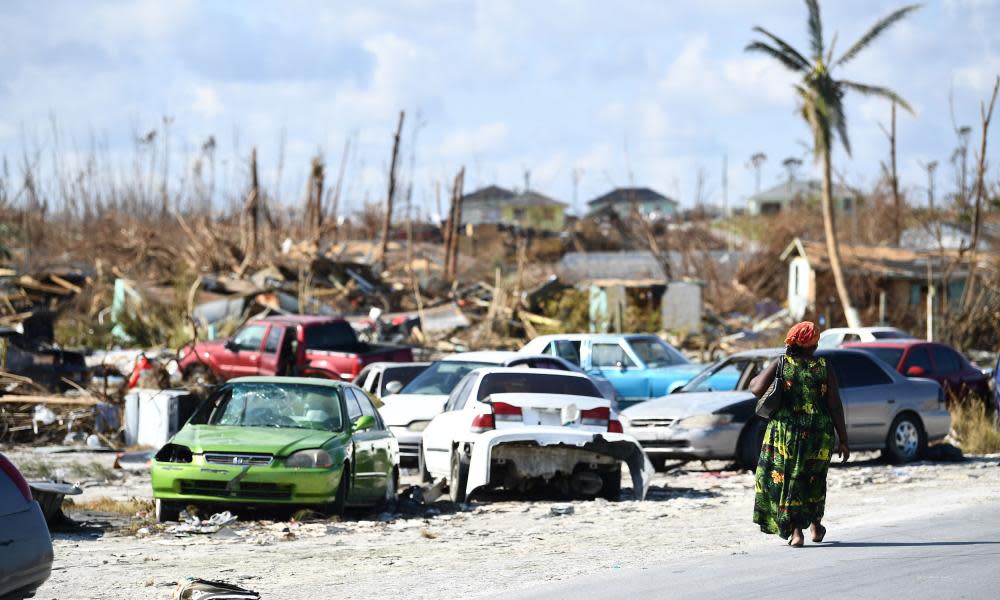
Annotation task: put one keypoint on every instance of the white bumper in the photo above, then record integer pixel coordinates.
(615, 445)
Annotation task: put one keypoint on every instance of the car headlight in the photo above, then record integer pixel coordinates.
(174, 453)
(309, 459)
(418, 425)
(709, 420)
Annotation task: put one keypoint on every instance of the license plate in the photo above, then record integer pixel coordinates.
(570, 414)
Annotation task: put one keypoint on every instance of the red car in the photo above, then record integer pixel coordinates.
(940, 362)
(288, 345)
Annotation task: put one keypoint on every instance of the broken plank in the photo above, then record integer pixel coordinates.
(68, 400)
(69, 286)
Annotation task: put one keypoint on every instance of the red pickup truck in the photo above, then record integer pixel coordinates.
(288, 345)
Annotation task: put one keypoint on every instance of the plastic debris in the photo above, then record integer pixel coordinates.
(562, 509)
(195, 525)
(203, 589)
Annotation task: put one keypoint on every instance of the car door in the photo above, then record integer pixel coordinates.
(947, 368)
(381, 442)
(440, 432)
(269, 354)
(868, 395)
(246, 344)
(614, 362)
(364, 478)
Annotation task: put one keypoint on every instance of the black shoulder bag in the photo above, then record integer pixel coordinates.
(771, 400)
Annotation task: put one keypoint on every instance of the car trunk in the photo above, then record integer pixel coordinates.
(552, 410)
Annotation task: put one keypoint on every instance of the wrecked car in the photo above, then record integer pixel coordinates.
(279, 440)
(45, 364)
(307, 346)
(515, 428)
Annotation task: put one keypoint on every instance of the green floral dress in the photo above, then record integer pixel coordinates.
(790, 487)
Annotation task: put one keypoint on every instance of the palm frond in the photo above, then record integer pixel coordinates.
(875, 90)
(829, 50)
(789, 61)
(784, 46)
(819, 125)
(838, 120)
(815, 29)
(876, 30)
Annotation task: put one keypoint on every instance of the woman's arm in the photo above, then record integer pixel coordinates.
(760, 383)
(836, 410)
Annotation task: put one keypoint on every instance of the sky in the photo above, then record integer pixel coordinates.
(581, 95)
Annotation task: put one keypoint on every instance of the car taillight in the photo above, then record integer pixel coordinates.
(483, 422)
(596, 417)
(356, 368)
(506, 412)
(615, 426)
(22, 484)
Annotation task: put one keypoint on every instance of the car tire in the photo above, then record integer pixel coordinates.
(168, 510)
(906, 440)
(612, 488)
(458, 479)
(749, 445)
(388, 503)
(425, 475)
(339, 504)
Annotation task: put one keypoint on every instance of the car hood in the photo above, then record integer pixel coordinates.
(403, 409)
(677, 406)
(265, 440)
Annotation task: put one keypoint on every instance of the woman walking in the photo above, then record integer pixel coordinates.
(790, 487)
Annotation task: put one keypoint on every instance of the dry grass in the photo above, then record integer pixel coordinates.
(130, 507)
(974, 427)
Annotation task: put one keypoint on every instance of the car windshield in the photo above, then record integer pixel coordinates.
(889, 356)
(330, 336)
(656, 353)
(441, 377)
(287, 405)
(526, 382)
(724, 375)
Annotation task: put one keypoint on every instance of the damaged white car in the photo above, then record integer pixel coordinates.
(516, 428)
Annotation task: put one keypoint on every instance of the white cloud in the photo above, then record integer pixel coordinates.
(471, 142)
(206, 101)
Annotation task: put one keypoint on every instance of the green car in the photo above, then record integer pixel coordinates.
(279, 441)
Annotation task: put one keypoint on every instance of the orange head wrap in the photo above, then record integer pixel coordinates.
(803, 335)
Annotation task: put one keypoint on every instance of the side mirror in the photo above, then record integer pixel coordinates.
(393, 387)
(915, 371)
(231, 345)
(621, 366)
(363, 423)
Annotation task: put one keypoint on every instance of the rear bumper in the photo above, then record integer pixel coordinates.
(685, 442)
(618, 446)
(259, 485)
(26, 558)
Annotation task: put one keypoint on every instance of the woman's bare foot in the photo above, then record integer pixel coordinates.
(818, 531)
(797, 540)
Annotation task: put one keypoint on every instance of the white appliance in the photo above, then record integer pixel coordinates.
(152, 416)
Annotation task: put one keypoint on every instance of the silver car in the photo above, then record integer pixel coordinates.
(25, 545)
(884, 411)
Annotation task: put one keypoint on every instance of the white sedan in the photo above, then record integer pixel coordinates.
(511, 428)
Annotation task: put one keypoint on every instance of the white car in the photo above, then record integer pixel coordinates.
(407, 410)
(832, 338)
(383, 378)
(510, 427)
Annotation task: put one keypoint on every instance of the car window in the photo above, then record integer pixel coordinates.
(458, 397)
(337, 335)
(890, 335)
(609, 355)
(353, 408)
(250, 337)
(543, 363)
(536, 383)
(273, 339)
(829, 340)
(858, 370)
(376, 382)
(945, 360)
(568, 350)
(362, 377)
(402, 374)
(889, 356)
(733, 367)
(441, 377)
(918, 357)
(850, 337)
(656, 353)
(296, 406)
(367, 408)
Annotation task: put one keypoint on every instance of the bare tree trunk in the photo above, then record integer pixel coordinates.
(335, 203)
(455, 225)
(897, 202)
(250, 216)
(314, 200)
(833, 246)
(985, 116)
(387, 220)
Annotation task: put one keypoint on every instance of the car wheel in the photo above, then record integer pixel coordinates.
(906, 440)
(612, 488)
(459, 478)
(339, 504)
(425, 475)
(751, 440)
(167, 510)
(388, 503)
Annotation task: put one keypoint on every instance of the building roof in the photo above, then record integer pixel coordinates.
(631, 194)
(888, 263)
(797, 189)
(499, 195)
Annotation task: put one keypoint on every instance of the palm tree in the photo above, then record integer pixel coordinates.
(821, 103)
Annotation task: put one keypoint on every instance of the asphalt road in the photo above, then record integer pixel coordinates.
(953, 555)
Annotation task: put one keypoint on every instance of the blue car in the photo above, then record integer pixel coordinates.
(639, 366)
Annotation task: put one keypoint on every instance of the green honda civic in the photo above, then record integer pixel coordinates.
(279, 441)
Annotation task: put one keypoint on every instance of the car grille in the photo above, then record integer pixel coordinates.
(407, 449)
(651, 422)
(238, 460)
(245, 489)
